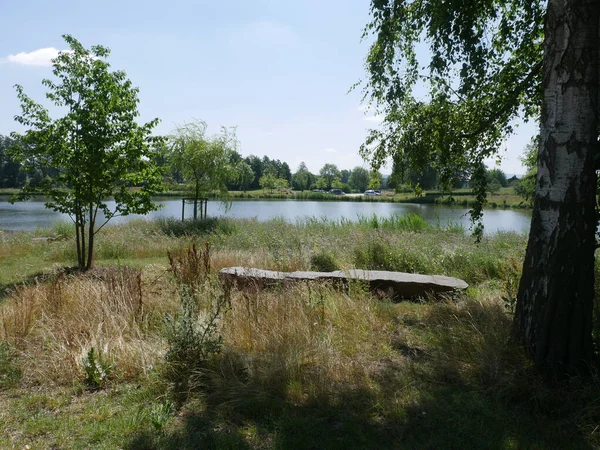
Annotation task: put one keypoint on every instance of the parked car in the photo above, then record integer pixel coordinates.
(372, 192)
(337, 192)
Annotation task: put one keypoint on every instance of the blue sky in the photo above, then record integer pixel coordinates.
(278, 70)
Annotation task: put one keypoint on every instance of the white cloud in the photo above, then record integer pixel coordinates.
(330, 150)
(41, 57)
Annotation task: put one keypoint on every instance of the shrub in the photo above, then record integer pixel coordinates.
(97, 370)
(10, 374)
(323, 262)
(376, 255)
(161, 414)
(193, 337)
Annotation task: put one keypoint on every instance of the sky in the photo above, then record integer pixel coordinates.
(280, 71)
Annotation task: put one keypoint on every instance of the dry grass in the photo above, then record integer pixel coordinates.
(309, 338)
(53, 325)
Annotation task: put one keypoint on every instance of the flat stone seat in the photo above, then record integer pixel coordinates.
(395, 284)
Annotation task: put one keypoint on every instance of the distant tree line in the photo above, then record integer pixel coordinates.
(13, 174)
(430, 178)
(253, 172)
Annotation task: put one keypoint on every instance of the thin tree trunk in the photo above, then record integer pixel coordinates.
(196, 196)
(553, 317)
(77, 225)
(90, 255)
(83, 246)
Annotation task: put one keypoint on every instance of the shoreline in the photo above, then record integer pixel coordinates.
(455, 200)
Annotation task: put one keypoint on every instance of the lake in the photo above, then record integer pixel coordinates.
(32, 214)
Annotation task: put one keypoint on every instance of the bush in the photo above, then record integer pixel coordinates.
(192, 338)
(97, 370)
(404, 188)
(376, 255)
(10, 374)
(323, 262)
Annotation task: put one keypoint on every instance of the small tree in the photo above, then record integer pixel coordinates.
(498, 176)
(494, 187)
(329, 173)
(96, 149)
(245, 175)
(321, 183)
(302, 178)
(268, 181)
(282, 183)
(525, 187)
(359, 179)
(376, 180)
(203, 160)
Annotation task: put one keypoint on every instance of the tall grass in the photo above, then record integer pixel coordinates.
(299, 366)
(397, 222)
(54, 325)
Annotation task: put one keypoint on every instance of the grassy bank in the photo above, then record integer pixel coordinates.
(178, 362)
(506, 198)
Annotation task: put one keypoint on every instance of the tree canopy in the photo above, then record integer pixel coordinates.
(203, 160)
(329, 173)
(302, 179)
(484, 71)
(96, 149)
(491, 62)
(359, 179)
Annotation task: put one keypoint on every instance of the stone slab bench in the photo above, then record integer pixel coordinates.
(395, 284)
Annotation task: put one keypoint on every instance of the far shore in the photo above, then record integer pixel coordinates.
(462, 197)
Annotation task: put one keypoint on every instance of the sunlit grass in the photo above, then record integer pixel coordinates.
(304, 366)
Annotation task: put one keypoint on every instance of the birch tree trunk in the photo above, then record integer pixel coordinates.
(553, 317)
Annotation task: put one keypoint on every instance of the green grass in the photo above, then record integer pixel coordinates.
(72, 418)
(299, 367)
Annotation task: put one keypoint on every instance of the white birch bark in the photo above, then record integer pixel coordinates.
(554, 305)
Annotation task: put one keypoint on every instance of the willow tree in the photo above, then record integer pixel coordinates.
(95, 151)
(203, 160)
(489, 63)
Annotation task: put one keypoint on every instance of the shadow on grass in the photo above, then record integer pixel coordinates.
(460, 385)
(39, 277)
(99, 272)
(451, 416)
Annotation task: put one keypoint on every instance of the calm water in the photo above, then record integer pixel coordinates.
(31, 215)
